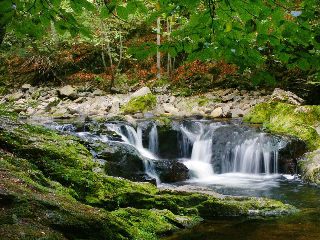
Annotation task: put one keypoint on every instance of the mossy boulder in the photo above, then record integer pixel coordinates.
(140, 104)
(300, 121)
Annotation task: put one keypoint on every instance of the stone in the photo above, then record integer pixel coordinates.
(121, 160)
(216, 113)
(230, 96)
(131, 120)
(16, 96)
(67, 91)
(280, 95)
(98, 92)
(141, 92)
(25, 87)
(115, 107)
(171, 171)
(236, 113)
(170, 109)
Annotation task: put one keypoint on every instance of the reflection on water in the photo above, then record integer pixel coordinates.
(302, 225)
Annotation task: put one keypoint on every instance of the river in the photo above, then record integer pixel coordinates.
(232, 159)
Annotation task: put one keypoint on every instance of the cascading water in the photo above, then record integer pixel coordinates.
(248, 153)
(200, 161)
(154, 140)
(134, 137)
(214, 152)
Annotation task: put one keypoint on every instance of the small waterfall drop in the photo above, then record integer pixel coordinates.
(200, 160)
(154, 140)
(245, 152)
(134, 137)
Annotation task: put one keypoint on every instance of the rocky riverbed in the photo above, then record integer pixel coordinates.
(71, 101)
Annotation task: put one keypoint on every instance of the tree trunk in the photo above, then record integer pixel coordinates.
(158, 52)
(2, 32)
(169, 63)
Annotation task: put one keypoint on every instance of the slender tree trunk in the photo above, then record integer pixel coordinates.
(158, 52)
(54, 35)
(2, 32)
(169, 63)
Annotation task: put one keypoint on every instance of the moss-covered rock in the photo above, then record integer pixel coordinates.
(140, 104)
(300, 121)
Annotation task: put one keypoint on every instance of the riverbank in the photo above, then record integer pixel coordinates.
(51, 187)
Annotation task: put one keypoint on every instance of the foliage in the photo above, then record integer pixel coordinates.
(245, 33)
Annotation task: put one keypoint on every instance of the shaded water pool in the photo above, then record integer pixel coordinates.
(302, 225)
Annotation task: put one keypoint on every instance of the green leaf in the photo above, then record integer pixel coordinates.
(76, 6)
(274, 41)
(85, 32)
(56, 3)
(5, 6)
(142, 8)
(269, 79)
(304, 64)
(228, 26)
(88, 5)
(192, 57)
(172, 51)
(132, 7)
(265, 13)
(104, 12)
(284, 57)
(187, 46)
(142, 54)
(122, 12)
(256, 79)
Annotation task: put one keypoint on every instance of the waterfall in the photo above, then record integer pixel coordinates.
(247, 152)
(154, 140)
(134, 137)
(257, 155)
(200, 161)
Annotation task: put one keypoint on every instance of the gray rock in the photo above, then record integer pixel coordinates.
(236, 113)
(98, 92)
(280, 95)
(16, 96)
(68, 91)
(25, 87)
(115, 107)
(141, 92)
(216, 113)
(170, 109)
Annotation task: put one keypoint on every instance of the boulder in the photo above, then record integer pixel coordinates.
(67, 91)
(216, 113)
(141, 92)
(280, 95)
(98, 92)
(25, 87)
(120, 160)
(170, 109)
(171, 171)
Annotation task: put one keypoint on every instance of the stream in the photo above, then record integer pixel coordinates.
(227, 156)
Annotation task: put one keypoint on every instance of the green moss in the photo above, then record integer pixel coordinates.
(143, 103)
(300, 121)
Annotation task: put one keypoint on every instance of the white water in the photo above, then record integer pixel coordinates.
(154, 140)
(249, 161)
(253, 160)
(134, 137)
(200, 161)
